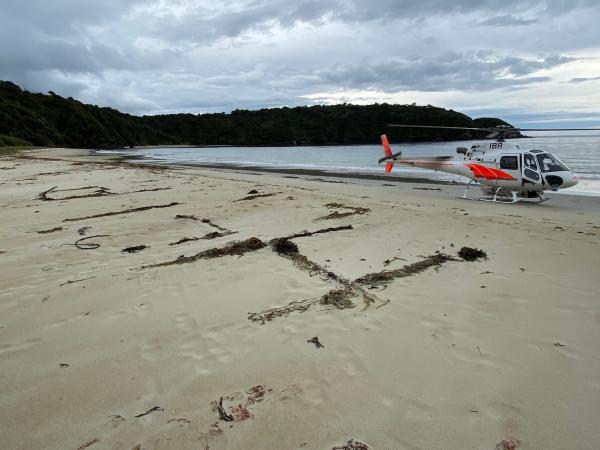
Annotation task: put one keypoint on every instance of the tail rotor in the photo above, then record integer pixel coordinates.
(389, 156)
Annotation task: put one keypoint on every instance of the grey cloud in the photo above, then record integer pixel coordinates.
(506, 20)
(451, 71)
(63, 17)
(25, 52)
(65, 56)
(204, 26)
(363, 9)
(583, 79)
(46, 80)
(189, 55)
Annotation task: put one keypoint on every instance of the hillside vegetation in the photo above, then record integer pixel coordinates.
(50, 120)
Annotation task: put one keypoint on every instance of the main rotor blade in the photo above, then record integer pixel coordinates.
(500, 129)
(556, 129)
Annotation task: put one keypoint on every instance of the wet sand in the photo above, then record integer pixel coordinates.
(204, 284)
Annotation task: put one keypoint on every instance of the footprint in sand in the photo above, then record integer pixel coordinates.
(185, 322)
(409, 408)
(352, 363)
(208, 348)
(593, 384)
(151, 350)
(388, 402)
(500, 410)
(313, 393)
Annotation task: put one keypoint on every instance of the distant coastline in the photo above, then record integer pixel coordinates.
(50, 120)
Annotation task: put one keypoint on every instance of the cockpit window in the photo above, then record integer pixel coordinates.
(529, 161)
(549, 163)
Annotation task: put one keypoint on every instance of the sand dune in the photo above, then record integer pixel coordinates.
(103, 348)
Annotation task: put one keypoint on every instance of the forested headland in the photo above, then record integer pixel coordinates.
(28, 118)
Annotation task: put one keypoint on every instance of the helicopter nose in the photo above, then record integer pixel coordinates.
(568, 180)
(573, 181)
(561, 180)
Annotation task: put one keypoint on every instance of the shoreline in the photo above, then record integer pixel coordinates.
(328, 174)
(303, 172)
(347, 177)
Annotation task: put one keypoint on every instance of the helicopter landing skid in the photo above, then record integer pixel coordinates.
(495, 199)
(501, 199)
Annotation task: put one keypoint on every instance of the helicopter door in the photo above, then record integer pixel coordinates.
(530, 169)
(509, 164)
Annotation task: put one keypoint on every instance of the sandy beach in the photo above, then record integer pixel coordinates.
(145, 307)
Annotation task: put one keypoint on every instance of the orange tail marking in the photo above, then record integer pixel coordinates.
(388, 167)
(386, 145)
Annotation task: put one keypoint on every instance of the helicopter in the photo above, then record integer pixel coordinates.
(505, 172)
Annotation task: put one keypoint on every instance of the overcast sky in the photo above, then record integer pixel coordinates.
(530, 62)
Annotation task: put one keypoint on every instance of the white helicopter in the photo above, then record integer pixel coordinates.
(506, 173)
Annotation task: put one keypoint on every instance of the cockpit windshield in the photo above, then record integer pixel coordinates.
(549, 163)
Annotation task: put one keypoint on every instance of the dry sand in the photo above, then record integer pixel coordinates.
(498, 353)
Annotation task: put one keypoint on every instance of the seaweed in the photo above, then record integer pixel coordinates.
(186, 217)
(134, 249)
(222, 413)
(315, 340)
(252, 197)
(352, 210)
(88, 444)
(321, 231)
(151, 410)
(352, 445)
(216, 234)
(214, 225)
(282, 311)
(75, 281)
(81, 231)
(124, 211)
(387, 276)
(184, 240)
(99, 192)
(283, 246)
(51, 230)
(340, 298)
(472, 254)
(230, 249)
(88, 245)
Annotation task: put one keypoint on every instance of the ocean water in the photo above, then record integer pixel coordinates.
(580, 152)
